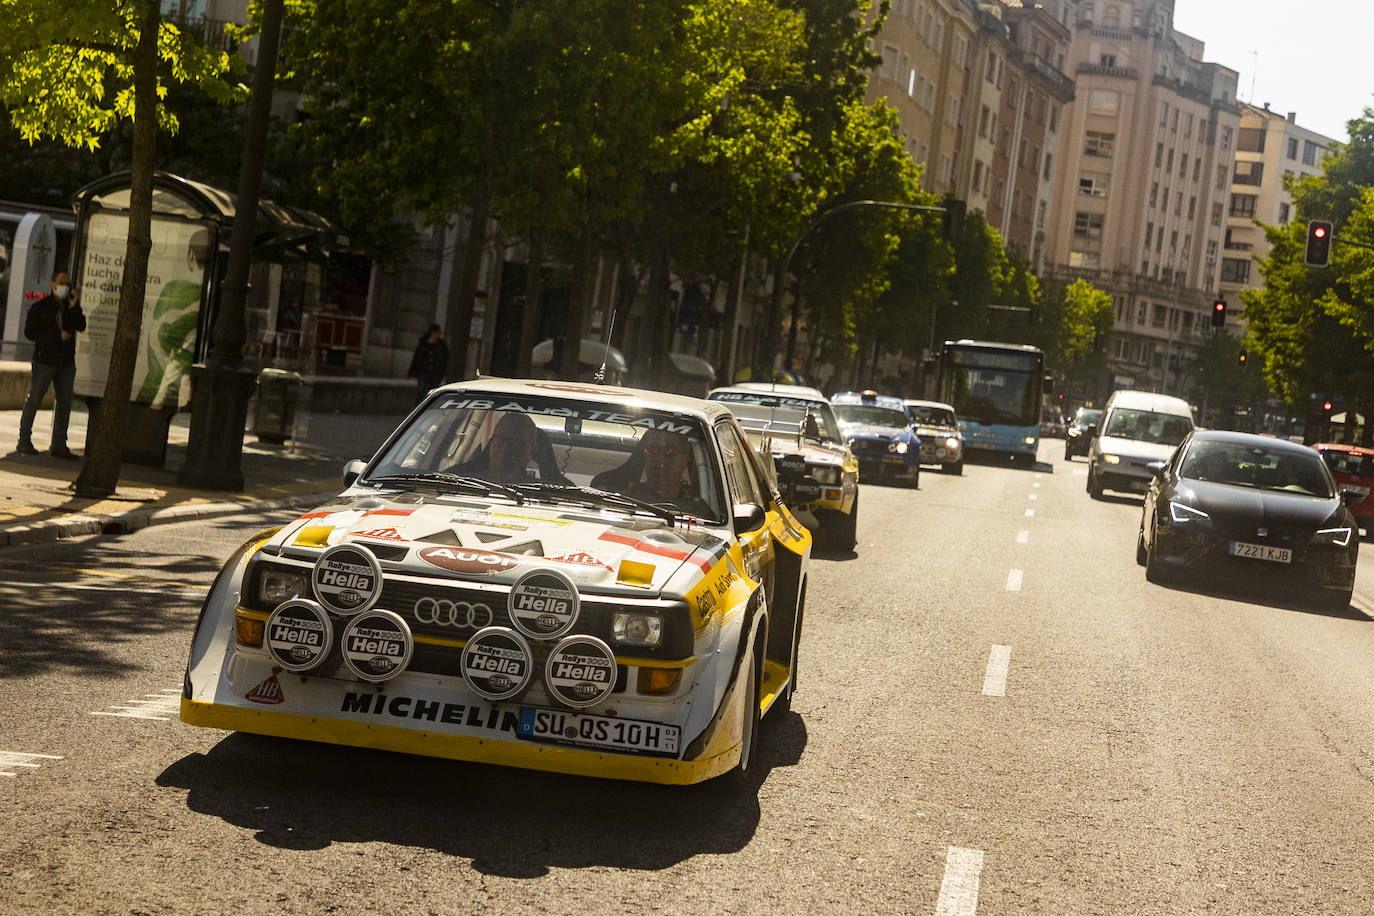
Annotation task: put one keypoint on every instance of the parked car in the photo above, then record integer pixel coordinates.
(1252, 508)
(880, 435)
(818, 474)
(942, 442)
(567, 577)
(1076, 436)
(1137, 429)
(1353, 469)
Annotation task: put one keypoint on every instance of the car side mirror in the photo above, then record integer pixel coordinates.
(1351, 496)
(353, 470)
(1092, 430)
(748, 517)
(1157, 468)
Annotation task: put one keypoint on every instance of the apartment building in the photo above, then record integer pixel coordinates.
(1268, 146)
(1142, 185)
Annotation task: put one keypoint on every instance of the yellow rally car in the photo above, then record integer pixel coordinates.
(558, 576)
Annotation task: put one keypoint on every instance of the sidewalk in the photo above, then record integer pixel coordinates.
(37, 502)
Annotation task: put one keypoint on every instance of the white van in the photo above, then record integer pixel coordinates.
(1136, 428)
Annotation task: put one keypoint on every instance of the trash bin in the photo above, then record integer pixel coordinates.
(275, 416)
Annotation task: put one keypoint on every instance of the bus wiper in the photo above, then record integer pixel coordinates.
(594, 496)
(453, 480)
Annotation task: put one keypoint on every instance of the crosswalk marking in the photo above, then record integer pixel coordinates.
(163, 706)
(10, 759)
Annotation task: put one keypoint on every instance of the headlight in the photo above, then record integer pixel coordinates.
(1111, 459)
(1180, 512)
(1029, 440)
(898, 447)
(1338, 536)
(278, 585)
(637, 629)
(826, 475)
(952, 442)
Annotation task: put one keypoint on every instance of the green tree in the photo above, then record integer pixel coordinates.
(1082, 317)
(73, 72)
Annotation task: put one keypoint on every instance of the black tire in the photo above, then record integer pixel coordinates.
(1154, 569)
(737, 778)
(1340, 601)
(1094, 487)
(1068, 455)
(783, 704)
(842, 528)
(1140, 547)
(954, 467)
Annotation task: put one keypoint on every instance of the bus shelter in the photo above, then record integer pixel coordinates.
(190, 230)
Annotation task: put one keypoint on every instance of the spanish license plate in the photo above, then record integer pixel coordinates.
(1261, 552)
(554, 726)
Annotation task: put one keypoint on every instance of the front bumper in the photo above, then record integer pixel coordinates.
(1204, 552)
(1123, 478)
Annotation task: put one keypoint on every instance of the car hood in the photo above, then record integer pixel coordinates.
(812, 452)
(863, 431)
(460, 538)
(1134, 448)
(1238, 509)
(938, 431)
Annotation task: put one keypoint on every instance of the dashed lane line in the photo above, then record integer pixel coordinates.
(1014, 580)
(959, 887)
(10, 759)
(1032, 496)
(995, 678)
(1022, 537)
(1030, 513)
(163, 706)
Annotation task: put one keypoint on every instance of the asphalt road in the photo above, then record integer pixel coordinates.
(996, 712)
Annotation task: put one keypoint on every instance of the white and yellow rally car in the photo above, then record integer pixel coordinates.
(565, 577)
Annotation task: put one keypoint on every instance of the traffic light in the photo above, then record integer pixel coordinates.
(1326, 408)
(1219, 313)
(1318, 253)
(1243, 358)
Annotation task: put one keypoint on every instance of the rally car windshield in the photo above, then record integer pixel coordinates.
(755, 409)
(868, 415)
(547, 449)
(932, 416)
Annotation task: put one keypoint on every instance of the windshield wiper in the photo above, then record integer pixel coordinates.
(591, 495)
(453, 480)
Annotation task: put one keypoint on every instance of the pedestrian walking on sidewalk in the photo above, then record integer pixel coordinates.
(429, 365)
(52, 325)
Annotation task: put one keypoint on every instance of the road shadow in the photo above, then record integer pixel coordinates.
(510, 823)
(1013, 462)
(1263, 594)
(834, 554)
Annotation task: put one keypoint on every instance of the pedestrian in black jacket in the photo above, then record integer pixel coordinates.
(52, 325)
(429, 365)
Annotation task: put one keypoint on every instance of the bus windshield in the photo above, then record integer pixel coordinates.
(991, 385)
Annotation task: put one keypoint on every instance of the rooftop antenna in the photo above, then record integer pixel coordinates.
(1253, 71)
(600, 376)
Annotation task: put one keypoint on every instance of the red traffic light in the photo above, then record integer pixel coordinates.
(1318, 250)
(1326, 406)
(1318, 232)
(1219, 313)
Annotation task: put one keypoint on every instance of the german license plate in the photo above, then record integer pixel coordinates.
(578, 730)
(1261, 552)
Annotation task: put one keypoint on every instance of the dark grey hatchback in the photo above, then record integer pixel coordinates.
(1252, 508)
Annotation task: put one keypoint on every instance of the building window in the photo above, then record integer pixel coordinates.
(1021, 153)
(1159, 154)
(1087, 225)
(1093, 184)
(1098, 144)
(1054, 118)
(1040, 215)
(1016, 202)
(1197, 168)
(1221, 177)
(1169, 161)
(891, 54)
(1251, 173)
(1107, 60)
(1192, 206)
(1140, 312)
(911, 83)
(1235, 270)
(1211, 251)
(1048, 157)
(1243, 205)
(1226, 138)
(1251, 140)
(1086, 260)
(1103, 102)
(1001, 192)
(1183, 166)
(1283, 213)
(1309, 152)
(1149, 234)
(1216, 214)
(1292, 147)
(977, 174)
(1154, 194)
(1163, 114)
(983, 122)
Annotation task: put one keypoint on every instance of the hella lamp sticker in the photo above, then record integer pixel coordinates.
(543, 604)
(347, 579)
(580, 671)
(376, 645)
(497, 663)
(299, 635)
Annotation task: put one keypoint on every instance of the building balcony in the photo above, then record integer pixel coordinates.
(1127, 281)
(1059, 82)
(1128, 73)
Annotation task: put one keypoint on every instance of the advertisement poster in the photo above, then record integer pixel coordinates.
(171, 308)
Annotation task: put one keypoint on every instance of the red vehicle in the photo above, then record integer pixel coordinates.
(1352, 466)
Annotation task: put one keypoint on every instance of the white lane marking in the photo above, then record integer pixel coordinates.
(1022, 537)
(1035, 486)
(1014, 580)
(995, 678)
(163, 706)
(1030, 513)
(1080, 472)
(959, 888)
(19, 759)
(1032, 496)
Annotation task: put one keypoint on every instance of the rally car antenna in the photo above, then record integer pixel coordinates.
(600, 376)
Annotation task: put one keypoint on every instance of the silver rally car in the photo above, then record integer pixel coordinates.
(819, 474)
(942, 442)
(558, 576)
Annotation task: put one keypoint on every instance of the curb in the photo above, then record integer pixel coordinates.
(78, 525)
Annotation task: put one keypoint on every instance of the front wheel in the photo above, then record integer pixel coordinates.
(1154, 568)
(954, 467)
(737, 778)
(844, 527)
(1094, 485)
(1140, 547)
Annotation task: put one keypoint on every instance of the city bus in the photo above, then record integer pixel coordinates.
(995, 389)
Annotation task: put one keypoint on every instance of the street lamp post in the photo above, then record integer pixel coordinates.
(780, 280)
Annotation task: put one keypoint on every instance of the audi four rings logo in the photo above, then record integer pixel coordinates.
(452, 613)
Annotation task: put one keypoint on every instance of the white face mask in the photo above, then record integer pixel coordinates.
(62, 291)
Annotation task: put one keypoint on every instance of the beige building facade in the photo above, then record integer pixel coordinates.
(1269, 146)
(1142, 186)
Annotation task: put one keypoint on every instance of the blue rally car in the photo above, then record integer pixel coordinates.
(879, 435)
